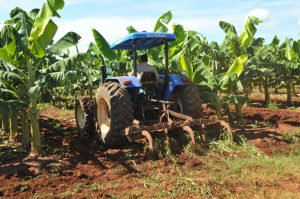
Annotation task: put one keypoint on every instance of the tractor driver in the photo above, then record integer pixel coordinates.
(143, 66)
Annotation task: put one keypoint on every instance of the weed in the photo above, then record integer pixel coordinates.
(129, 155)
(160, 149)
(73, 190)
(43, 195)
(292, 137)
(43, 106)
(4, 144)
(27, 178)
(273, 105)
(95, 186)
(255, 125)
(152, 181)
(292, 108)
(226, 146)
(53, 175)
(64, 113)
(23, 188)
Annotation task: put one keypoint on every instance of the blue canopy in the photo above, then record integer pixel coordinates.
(143, 40)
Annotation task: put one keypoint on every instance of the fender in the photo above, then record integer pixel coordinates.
(125, 81)
(174, 82)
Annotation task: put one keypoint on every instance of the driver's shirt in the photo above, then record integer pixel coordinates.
(145, 67)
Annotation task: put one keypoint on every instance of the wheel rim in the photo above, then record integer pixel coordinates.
(103, 118)
(177, 106)
(80, 117)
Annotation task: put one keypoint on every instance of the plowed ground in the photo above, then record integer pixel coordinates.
(74, 167)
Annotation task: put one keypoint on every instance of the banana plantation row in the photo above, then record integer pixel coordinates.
(34, 69)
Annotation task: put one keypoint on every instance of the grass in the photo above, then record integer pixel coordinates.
(293, 137)
(292, 108)
(72, 191)
(230, 170)
(257, 176)
(43, 106)
(248, 174)
(273, 105)
(256, 124)
(63, 112)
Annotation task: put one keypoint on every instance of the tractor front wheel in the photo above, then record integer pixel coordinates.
(84, 113)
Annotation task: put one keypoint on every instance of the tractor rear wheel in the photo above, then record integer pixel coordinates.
(84, 113)
(113, 112)
(187, 101)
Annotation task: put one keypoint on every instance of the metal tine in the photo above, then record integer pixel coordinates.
(190, 131)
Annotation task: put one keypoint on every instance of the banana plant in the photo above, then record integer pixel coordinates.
(262, 66)
(288, 58)
(25, 41)
(75, 73)
(118, 61)
(211, 69)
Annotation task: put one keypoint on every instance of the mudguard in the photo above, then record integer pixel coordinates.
(125, 81)
(130, 83)
(174, 82)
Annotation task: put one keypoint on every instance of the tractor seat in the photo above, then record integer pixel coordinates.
(148, 78)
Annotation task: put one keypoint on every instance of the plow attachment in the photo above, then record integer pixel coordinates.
(171, 120)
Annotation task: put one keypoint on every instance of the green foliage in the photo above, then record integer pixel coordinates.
(63, 44)
(273, 105)
(247, 36)
(293, 137)
(162, 21)
(44, 29)
(103, 45)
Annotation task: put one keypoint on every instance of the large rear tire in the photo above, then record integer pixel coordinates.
(84, 113)
(113, 112)
(188, 101)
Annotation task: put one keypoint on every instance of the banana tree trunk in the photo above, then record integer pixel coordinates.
(13, 127)
(289, 92)
(239, 112)
(294, 90)
(266, 91)
(218, 106)
(5, 122)
(35, 128)
(1, 118)
(260, 87)
(276, 90)
(25, 131)
(229, 114)
(33, 115)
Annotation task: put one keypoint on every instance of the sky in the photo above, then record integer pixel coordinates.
(111, 17)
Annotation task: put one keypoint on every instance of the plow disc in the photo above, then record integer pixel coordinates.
(175, 120)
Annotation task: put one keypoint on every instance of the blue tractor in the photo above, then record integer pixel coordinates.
(125, 107)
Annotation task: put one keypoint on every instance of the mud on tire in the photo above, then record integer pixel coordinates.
(84, 113)
(113, 112)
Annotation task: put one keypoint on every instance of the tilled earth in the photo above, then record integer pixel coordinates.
(74, 167)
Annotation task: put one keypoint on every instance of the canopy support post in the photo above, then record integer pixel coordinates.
(134, 60)
(166, 58)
